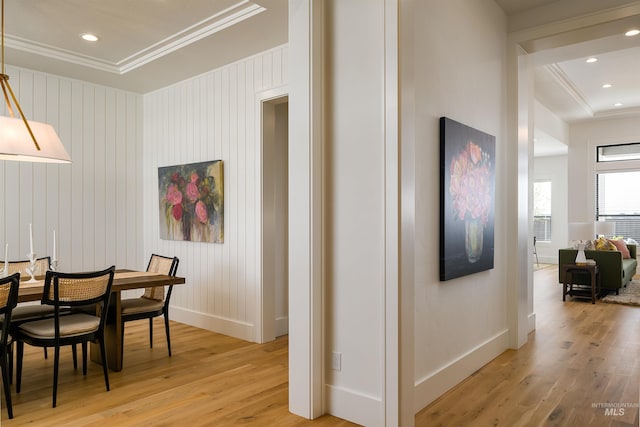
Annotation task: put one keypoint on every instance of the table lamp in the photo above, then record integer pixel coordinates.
(605, 228)
(580, 232)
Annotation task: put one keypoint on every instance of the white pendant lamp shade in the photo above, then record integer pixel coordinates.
(17, 144)
(22, 139)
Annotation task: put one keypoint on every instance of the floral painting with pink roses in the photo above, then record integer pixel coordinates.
(467, 199)
(192, 202)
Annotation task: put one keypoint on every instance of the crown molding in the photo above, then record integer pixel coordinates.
(235, 14)
(218, 22)
(561, 78)
(617, 112)
(53, 52)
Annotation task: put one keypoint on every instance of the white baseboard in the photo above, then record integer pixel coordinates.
(546, 259)
(352, 406)
(222, 325)
(532, 322)
(436, 384)
(282, 326)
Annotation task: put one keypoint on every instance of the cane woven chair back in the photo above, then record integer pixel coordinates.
(76, 289)
(161, 265)
(42, 265)
(8, 301)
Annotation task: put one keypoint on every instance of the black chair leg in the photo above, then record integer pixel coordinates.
(10, 361)
(151, 332)
(19, 354)
(56, 358)
(5, 380)
(122, 341)
(74, 352)
(45, 352)
(166, 328)
(84, 357)
(105, 369)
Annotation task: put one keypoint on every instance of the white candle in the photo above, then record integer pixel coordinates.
(54, 245)
(6, 253)
(30, 239)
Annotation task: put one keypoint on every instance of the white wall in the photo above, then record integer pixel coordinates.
(354, 209)
(95, 203)
(460, 72)
(554, 169)
(584, 137)
(548, 122)
(210, 117)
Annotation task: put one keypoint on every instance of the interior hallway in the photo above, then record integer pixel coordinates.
(579, 356)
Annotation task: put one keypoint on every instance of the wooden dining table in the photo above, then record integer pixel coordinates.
(123, 280)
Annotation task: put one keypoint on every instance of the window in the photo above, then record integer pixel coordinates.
(616, 201)
(542, 210)
(617, 153)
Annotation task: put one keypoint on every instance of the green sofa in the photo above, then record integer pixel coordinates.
(615, 272)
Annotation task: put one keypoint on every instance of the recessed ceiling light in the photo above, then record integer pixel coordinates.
(606, 86)
(89, 37)
(618, 104)
(592, 60)
(633, 32)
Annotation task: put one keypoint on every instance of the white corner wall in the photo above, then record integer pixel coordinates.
(355, 209)
(213, 117)
(94, 203)
(548, 122)
(460, 72)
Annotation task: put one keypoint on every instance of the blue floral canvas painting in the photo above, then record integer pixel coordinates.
(467, 199)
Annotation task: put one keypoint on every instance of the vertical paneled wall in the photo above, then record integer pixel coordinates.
(210, 117)
(95, 203)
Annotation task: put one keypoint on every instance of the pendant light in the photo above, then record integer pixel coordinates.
(22, 139)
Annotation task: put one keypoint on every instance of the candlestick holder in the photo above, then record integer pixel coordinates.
(54, 265)
(31, 270)
(5, 270)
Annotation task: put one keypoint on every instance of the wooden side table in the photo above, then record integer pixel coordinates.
(568, 270)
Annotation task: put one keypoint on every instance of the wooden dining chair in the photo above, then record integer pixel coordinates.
(154, 302)
(65, 291)
(27, 312)
(8, 301)
(42, 266)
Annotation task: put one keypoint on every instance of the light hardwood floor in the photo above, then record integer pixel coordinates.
(579, 356)
(211, 380)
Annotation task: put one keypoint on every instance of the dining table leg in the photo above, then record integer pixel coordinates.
(112, 335)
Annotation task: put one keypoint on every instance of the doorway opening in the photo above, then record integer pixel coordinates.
(275, 218)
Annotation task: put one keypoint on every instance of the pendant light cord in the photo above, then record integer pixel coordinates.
(4, 81)
(3, 71)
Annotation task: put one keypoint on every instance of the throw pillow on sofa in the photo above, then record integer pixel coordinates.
(622, 247)
(603, 244)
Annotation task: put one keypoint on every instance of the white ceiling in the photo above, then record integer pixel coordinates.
(148, 44)
(568, 86)
(143, 44)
